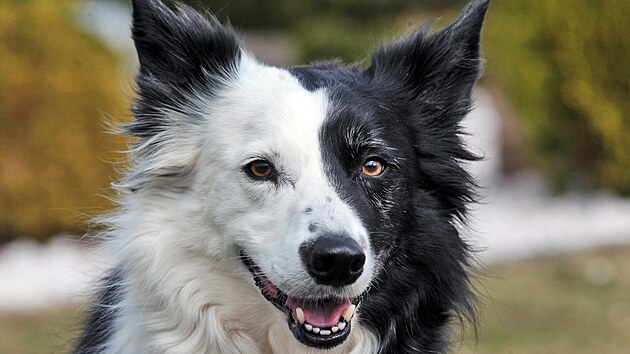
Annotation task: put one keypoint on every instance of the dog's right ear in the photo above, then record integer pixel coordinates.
(184, 49)
(184, 58)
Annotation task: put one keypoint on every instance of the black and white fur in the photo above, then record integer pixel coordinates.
(189, 210)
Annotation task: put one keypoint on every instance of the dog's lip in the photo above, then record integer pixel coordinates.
(303, 331)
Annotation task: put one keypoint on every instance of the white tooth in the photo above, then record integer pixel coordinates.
(334, 329)
(300, 315)
(324, 332)
(308, 327)
(341, 325)
(315, 330)
(347, 314)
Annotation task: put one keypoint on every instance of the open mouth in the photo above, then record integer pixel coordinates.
(322, 323)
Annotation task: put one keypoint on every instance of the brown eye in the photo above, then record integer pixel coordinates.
(259, 169)
(372, 168)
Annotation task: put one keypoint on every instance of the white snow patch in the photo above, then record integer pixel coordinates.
(35, 276)
(517, 218)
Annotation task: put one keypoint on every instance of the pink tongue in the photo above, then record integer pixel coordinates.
(319, 314)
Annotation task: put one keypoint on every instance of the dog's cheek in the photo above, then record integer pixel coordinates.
(389, 208)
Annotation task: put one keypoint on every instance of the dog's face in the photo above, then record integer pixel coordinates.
(309, 175)
(301, 236)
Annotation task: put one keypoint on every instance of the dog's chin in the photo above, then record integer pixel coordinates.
(316, 322)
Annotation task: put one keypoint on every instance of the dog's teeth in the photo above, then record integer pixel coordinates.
(341, 325)
(324, 332)
(334, 329)
(300, 315)
(308, 327)
(347, 314)
(315, 330)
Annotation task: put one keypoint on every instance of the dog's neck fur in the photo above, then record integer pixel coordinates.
(183, 301)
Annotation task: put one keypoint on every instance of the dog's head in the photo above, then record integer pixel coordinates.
(313, 175)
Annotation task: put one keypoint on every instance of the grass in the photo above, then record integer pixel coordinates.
(48, 332)
(573, 303)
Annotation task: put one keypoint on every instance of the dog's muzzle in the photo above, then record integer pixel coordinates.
(318, 322)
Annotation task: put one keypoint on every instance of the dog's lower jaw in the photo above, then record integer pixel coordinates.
(360, 341)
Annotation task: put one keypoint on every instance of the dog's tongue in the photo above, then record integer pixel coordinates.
(319, 313)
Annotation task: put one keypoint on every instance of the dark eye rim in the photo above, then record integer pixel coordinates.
(377, 159)
(250, 173)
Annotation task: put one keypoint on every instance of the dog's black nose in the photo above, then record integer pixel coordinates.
(333, 259)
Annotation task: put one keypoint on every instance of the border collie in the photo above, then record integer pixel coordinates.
(304, 210)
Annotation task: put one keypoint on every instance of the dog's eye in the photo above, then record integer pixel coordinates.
(373, 167)
(259, 169)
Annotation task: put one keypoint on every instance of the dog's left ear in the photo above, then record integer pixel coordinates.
(435, 70)
(434, 73)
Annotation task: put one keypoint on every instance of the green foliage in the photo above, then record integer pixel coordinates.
(340, 38)
(565, 66)
(57, 83)
(324, 29)
(290, 14)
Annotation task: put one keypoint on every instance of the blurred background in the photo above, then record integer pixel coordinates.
(551, 119)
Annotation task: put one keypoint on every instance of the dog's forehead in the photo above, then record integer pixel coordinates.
(267, 111)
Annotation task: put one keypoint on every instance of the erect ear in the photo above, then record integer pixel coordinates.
(181, 49)
(437, 69)
(184, 58)
(435, 73)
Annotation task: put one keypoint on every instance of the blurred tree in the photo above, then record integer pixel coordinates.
(322, 29)
(289, 14)
(566, 66)
(55, 84)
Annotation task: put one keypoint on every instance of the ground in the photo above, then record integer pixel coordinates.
(571, 303)
(574, 303)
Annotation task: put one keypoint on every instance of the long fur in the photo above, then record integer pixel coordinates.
(205, 109)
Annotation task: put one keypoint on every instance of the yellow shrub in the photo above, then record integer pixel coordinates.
(566, 66)
(56, 86)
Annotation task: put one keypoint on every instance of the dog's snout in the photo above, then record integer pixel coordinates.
(333, 259)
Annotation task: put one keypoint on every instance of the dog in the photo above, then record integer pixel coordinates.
(313, 209)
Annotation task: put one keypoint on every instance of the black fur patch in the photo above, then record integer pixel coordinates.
(179, 52)
(406, 109)
(99, 324)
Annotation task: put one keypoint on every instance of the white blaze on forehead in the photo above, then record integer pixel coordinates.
(266, 110)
